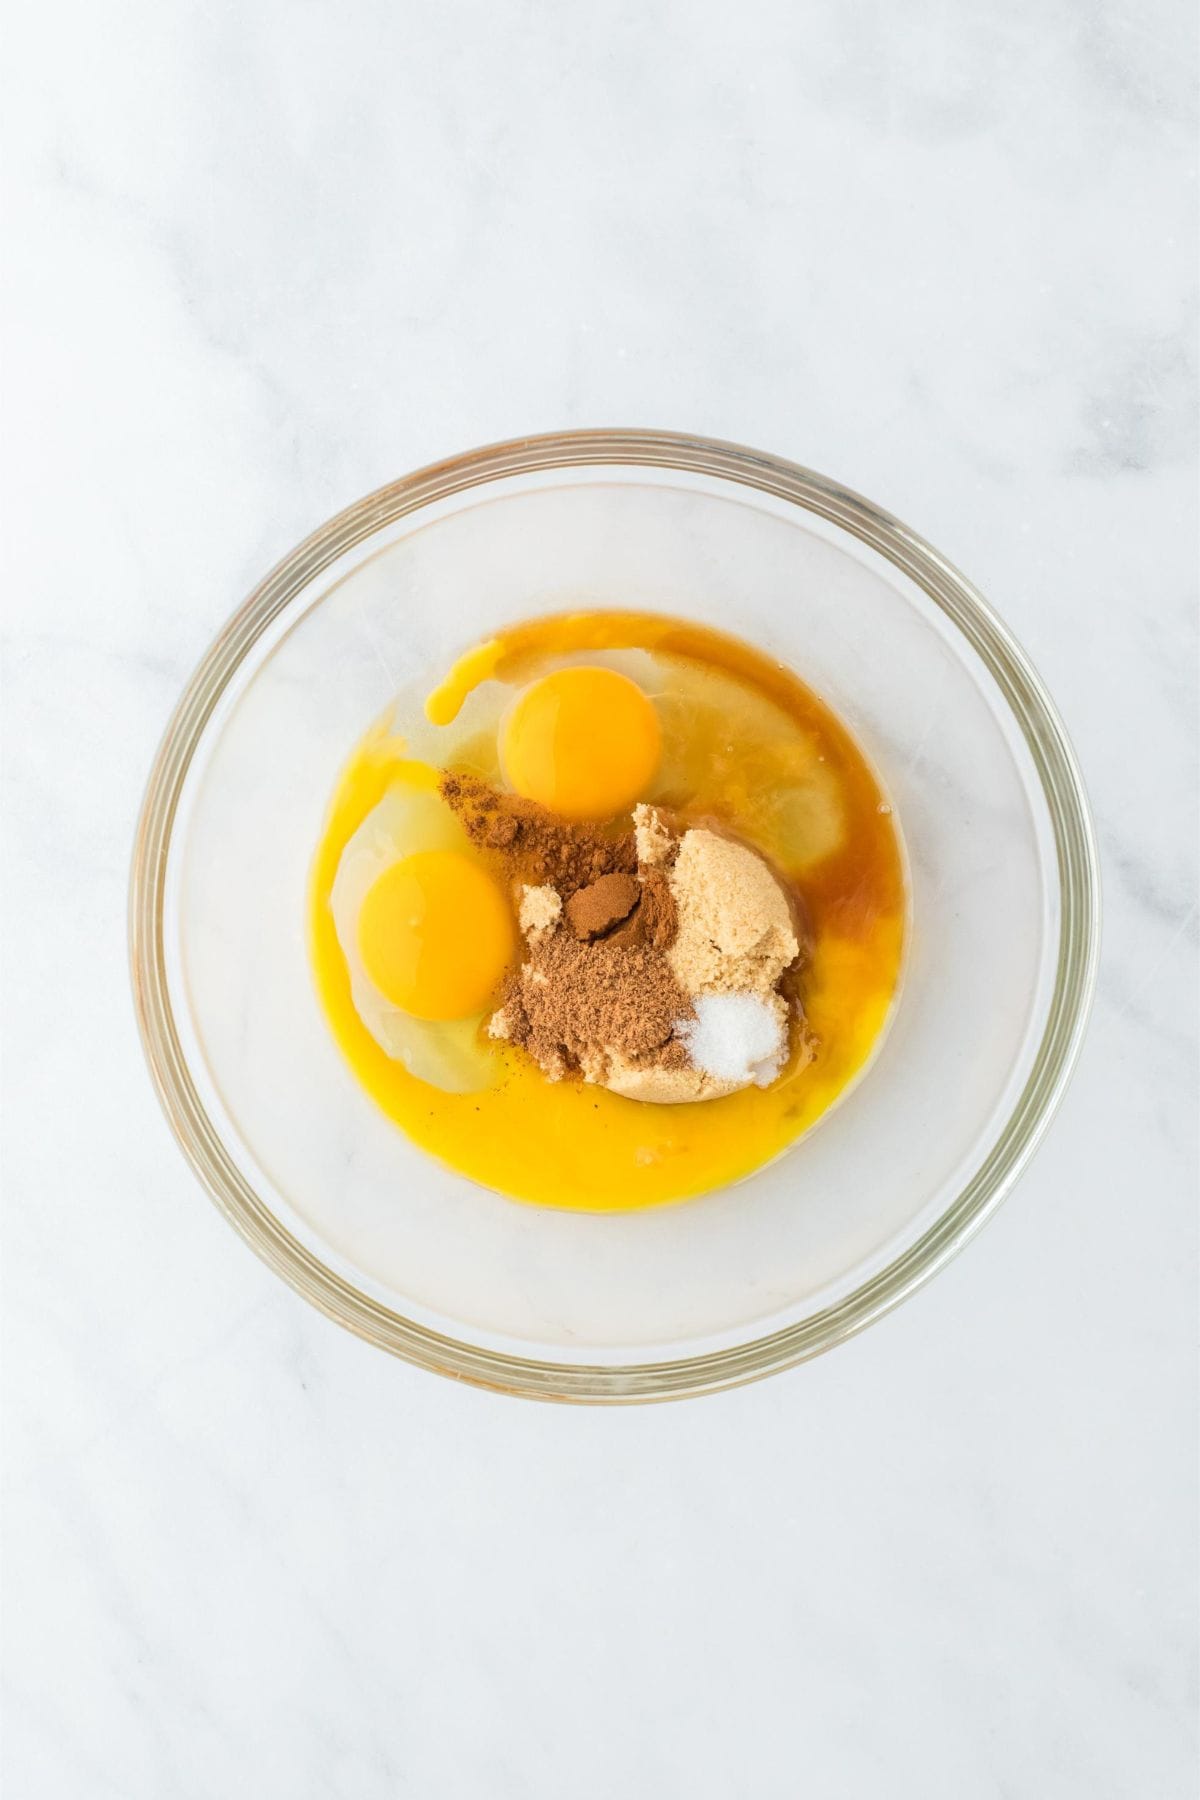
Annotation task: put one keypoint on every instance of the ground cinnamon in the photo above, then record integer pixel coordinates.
(571, 998)
(540, 846)
(592, 911)
(653, 920)
(599, 985)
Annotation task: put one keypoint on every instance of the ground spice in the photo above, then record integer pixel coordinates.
(592, 911)
(541, 847)
(653, 921)
(574, 1001)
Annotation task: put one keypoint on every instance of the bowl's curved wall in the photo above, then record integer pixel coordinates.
(721, 1289)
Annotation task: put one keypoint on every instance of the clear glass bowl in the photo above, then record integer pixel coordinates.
(681, 1299)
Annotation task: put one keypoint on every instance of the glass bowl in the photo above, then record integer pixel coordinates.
(677, 1300)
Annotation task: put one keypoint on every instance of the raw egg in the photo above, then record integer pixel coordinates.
(589, 713)
(436, 935)
(583, 741)
(423, 931)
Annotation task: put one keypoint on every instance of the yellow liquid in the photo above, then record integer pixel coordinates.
(744, 743)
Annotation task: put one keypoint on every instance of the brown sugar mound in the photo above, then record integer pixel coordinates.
(541, 847)
(736, 928)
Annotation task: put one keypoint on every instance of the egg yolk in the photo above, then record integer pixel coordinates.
(435, 934)
(584, 742)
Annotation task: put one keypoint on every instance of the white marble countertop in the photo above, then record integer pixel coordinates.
(272, 256)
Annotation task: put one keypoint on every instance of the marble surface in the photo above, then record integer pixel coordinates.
(270, 256)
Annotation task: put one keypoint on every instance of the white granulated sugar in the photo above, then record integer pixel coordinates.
(736, 1037)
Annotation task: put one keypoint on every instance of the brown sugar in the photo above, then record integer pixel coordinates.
(541, 847)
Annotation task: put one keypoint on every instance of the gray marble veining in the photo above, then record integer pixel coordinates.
(271, 256)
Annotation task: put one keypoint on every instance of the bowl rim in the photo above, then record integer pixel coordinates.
(1075, 974)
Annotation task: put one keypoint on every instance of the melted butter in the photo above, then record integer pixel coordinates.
(746, 743)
